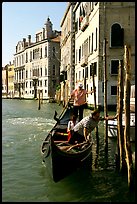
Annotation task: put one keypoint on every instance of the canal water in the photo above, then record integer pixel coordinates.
(25, 178)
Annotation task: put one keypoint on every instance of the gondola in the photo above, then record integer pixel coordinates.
(61, 158)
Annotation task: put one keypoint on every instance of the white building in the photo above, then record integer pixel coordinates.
(67, 45)
(96, 23)
(37, 64)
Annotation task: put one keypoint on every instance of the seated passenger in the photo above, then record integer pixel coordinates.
(71, 125)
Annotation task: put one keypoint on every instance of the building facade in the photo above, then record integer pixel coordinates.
(8, 81)
(67, 45)
(37, 64)
(11, 80)
(4, 81)
(99, 42)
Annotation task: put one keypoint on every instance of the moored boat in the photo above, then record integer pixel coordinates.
(60, 157)
(112, 124)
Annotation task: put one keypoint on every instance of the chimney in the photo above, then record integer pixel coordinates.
(24, 42)
(29, 40)
(43, 33)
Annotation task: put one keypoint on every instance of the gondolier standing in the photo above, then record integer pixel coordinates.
(79, 96)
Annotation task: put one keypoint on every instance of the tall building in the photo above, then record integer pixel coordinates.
(102, 31)
(37, 64)
(67, 45)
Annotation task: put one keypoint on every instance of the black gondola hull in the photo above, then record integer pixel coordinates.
(60, 163)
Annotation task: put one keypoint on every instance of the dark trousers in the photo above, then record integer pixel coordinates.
(78, 110)
(76, 137)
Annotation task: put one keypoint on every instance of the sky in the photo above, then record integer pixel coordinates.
(20, 19)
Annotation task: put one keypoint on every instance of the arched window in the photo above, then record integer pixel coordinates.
(117, 35)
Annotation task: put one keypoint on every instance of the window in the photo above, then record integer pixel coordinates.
(93, 67)
(26, 74)
(86, 72)
(76, 77)
(41, 71)
(46, 51)
(30, 56)
(53, 52)
(79, 75)
(53, 71)
(85, 48)
(22, 74)
(113, 90)
(117, 35)
(26, 57)
(90, 70)
(87, 87)
(76, 26)
(102, 87)
(40, 83)
(45, 82)
(89, 44)
(76, 56)
(96, 38)
(92, 44)
(79, 54)
(83, 73)
(36, 54)
(114, 66)
(45, 71)
(41, 53)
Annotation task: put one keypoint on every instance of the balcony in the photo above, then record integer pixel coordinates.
(84, 61)
(84, 23)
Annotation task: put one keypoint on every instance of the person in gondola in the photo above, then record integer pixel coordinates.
(82, 130)
(71, 125)
(79, 96)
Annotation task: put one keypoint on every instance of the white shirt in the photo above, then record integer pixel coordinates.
(87, 122)
(70, 125)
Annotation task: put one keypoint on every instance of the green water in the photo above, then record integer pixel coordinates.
(25, 178)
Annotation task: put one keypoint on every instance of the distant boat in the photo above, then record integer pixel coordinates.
(60, 157)
(112, 124)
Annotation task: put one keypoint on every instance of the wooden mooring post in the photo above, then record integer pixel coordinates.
(105, 98)
(95, 104)
(120, 155)
(127, 62)
(124, 153)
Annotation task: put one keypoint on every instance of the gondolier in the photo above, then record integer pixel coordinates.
(79, 96)
(82, 130)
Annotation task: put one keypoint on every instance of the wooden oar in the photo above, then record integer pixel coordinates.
(76, 145)
(67, 148)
